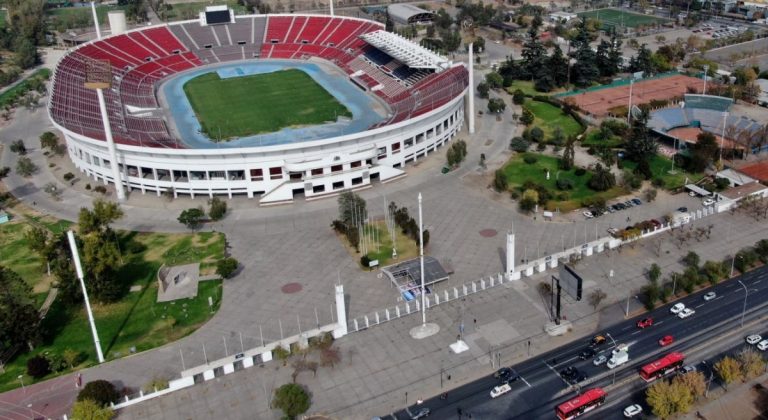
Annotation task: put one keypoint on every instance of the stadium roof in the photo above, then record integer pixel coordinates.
(408, 53)
(405, 14)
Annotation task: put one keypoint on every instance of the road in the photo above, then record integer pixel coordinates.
(712, 330)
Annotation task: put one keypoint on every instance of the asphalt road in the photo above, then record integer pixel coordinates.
(711, 331)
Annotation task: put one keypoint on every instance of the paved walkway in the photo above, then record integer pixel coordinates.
(741, 402)
(288, 244)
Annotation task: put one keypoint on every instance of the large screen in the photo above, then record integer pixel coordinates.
(570, 281)
(213, 18)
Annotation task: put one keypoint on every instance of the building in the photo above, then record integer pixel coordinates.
(409, 14)
(730, 197)
(562, 17)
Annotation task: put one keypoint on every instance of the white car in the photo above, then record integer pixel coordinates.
(709, 296)
(599, 360)
(633, 410)
(677, 308)
(708, 202)
(754, 339)
(500, 390)
(588, 214)
(763, 345)
(685, 313)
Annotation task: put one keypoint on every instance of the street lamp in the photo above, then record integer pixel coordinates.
(21, 379)
(733, 262)
(744, 309)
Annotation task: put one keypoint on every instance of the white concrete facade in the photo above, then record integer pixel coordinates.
(274, 173)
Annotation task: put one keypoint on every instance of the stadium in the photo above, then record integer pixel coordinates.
(273, 107)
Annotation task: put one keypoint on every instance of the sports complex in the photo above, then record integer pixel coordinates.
(265, 106)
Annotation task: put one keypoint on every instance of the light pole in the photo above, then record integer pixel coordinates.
(733, 262)
(706, 71)
(744, 309)
(674, 283)
(79, 269)
(21, 379)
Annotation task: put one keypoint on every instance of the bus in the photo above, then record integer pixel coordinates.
(669, 363)
(585, 402)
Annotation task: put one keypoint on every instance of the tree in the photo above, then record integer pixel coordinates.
(218, 208)
(534, 55)
(191, 218)
(596, 297)
(519, 144)
(38, 366)
(451, 40)
(4, 171)
(703, 152)
(602, 179)
(650, 194)
(352, 208)
(18, 147)
(527, 117)
(99, 249)
(483, 90)
(50, 141)
(494, 80)
(729, 370)
(694, 381)
(529, 200)
(26, 54)
(20, 320)
(640, 146)
(584, 70)
(518, 97)
(496, 105)
(752, 363)
(330, 356)
(569, 154)
(90, 410)
(25, 167)
(71, 357)
(654, 273)
(500, 181)
(292, 399)
(714, 271)
(99, 391)
(692, 259)
(226, 267)
(642, 62)
(557, 66)
(668, 398)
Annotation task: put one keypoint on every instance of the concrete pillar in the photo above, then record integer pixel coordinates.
(471, 91)
(510, 253)
(341, 313)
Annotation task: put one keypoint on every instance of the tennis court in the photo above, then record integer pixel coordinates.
(619, 18)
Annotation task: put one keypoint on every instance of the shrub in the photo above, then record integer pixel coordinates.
(591, 151)
(281, 353)
(541, 146)
(100, 391)
(88, 409)
(69, 176)
(87, 186)
(18, 147)
(365, 261)
(658, 182)
(536, 135)
(519, 144)
(722, 183)
(514, 194)
(292, 399)
(518, 97)
(530, 159)
(157, 383)
(218, 208)
(580, 171)
(100, 189)
(56, 363)
(500, 181)
(226, 267)
(564, 184)
(38, 366)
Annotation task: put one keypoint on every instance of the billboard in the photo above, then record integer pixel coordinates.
(570, 281)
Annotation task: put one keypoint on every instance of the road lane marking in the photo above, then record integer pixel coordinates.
(660, 322)
(627, 327)
(526, 382)
(699, 306)
(637, 332)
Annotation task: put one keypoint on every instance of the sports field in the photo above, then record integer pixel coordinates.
(260, 103)
(615, 17)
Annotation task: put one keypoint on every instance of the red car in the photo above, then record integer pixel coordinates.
(645, 322)
(666, 340)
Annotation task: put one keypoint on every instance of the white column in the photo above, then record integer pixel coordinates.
(341, 313)
(96, 20)
(629, 110)
(111, 147)
(331, 3)
(510, 253)
(421, 257)
(79, 269)
(471, 92)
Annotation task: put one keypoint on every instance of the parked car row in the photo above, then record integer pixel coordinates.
(612, 208)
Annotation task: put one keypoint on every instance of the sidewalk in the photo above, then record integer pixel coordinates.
(743, 401)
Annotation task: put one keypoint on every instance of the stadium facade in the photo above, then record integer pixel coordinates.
(423, 93)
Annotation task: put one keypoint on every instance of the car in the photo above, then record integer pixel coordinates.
(629, 204)
(500, 390)
(505, 371)
(685, 313)
(617, 207)
(666, 340)
(597, 340)
(570, 373)
(677, 308)
(637, 202)
(588, 214)
(687, 369)
(708, 202)
(763, 345)
(581, 377)
(709, 296)
(754, 339)
(597, 212)
(622, 206)
(692, 194)
(655, 223)
(511, 376)
(599, 360)
(682, 209)
(645, 322)
(423, 412)
(620, 348)
(588, 353)
(633, 410)
(611, 209)
(613, 231)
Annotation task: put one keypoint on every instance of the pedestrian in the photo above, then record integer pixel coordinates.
(475, 322)
(628, 219)
(449, 377)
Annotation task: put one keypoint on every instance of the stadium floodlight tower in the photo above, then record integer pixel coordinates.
(469, 39)
(98, 76)
(425, 329)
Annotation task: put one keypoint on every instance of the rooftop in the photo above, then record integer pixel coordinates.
(408, 53)
(737, 193)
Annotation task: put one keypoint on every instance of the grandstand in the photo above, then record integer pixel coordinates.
(422, 91)
(703, 113)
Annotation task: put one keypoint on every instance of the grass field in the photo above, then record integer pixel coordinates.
(260, 103)
(615, 17)
(137, 320)
(660, 167)
(518, 172)
(592, 139)
(184, 11)
(2, 19)
(547, 117)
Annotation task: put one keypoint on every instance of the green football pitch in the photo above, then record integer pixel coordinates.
(260, 103)
(615, 17)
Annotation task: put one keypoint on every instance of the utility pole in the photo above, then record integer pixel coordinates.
(79, 269)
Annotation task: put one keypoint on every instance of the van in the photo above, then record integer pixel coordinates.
(618, 359)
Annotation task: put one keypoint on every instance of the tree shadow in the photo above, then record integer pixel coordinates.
(760, 401)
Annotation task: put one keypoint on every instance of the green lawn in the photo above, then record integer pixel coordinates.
(548, 116)
(660, 167)
(11, 95)
(615, 17)
(406, 247)
(518, 172)
(64, 18)
(2, 19)
(260, 103)
(592, 139)
(136, 321)
(526, 86)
